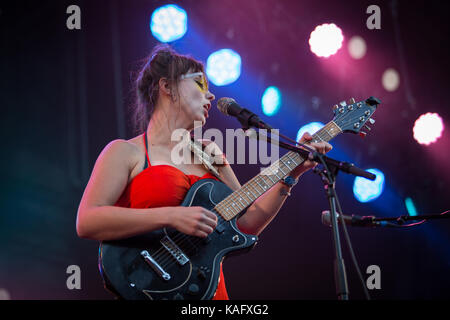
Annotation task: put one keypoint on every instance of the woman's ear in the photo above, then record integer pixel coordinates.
(167, 89)
(165, 86)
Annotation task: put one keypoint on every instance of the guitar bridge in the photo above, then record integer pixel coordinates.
(174, 250)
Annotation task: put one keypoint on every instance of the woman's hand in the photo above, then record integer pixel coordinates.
(321, 147)
(194, 221)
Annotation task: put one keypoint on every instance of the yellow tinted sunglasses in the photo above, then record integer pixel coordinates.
(200, 81)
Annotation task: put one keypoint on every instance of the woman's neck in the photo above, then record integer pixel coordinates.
(161, 127)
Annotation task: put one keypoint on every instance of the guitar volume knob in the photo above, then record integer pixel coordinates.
(193, 289)
(201, 274)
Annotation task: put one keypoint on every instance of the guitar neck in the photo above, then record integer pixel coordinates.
(240, 199)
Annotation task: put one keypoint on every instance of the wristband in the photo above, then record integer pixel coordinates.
(289, 181)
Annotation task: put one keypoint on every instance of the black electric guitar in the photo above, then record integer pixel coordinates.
(168, 264)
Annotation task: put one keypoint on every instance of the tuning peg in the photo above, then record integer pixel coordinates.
(351, 101)
(362, 134)
(343, 103)
(335, 107)
(372, 121)
(367, 127)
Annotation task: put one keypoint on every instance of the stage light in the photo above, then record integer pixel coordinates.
(271, 101)
(223, 67)
(311, 128)
(326, 40)
(428, 128)
(366, 190)
(410, 207)
(390, 80)
(357, 47)
(168, 23)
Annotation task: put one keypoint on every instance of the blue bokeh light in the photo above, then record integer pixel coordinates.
(223, 67)
(311, 128)
(168, 23)
(271, 101)
(366, 190)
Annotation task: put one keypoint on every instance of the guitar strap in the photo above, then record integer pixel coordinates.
(197, 148)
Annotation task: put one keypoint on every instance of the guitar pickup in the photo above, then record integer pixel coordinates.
(174, 250)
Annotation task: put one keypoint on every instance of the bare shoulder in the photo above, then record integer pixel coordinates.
(120, 148)
(123, 151)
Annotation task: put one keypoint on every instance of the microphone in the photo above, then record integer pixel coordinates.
(354, 220)
(230, 107)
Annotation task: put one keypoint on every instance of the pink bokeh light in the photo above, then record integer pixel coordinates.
(326, 40)
(428, 128)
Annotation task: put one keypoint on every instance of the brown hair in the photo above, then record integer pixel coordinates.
(163, 62)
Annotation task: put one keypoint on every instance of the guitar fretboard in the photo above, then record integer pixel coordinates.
(240, 199)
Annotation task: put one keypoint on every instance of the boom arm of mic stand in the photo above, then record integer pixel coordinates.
(315, 156)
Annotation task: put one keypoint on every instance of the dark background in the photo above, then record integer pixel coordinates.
(65, 95)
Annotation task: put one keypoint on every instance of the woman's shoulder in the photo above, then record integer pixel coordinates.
(122, 147)
(127, 151)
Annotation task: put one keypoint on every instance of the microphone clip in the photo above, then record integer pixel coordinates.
(248, 120)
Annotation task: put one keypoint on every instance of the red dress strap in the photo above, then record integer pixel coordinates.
(146, 147)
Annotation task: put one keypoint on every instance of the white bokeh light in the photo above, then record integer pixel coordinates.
(428, 128)
(390, 80)
(357, 47)
(326, 40)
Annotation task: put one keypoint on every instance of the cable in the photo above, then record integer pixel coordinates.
(347, 238)
(349, 244)
(401, 224)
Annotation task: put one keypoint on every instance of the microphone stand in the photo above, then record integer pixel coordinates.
(329, 181)
(328, 175)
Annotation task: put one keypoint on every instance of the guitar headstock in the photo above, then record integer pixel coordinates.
(352, 117)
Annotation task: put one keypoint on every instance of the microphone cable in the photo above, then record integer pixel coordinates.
(350, 248)
(347, 238)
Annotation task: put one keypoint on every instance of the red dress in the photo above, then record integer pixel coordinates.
(163, 186)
